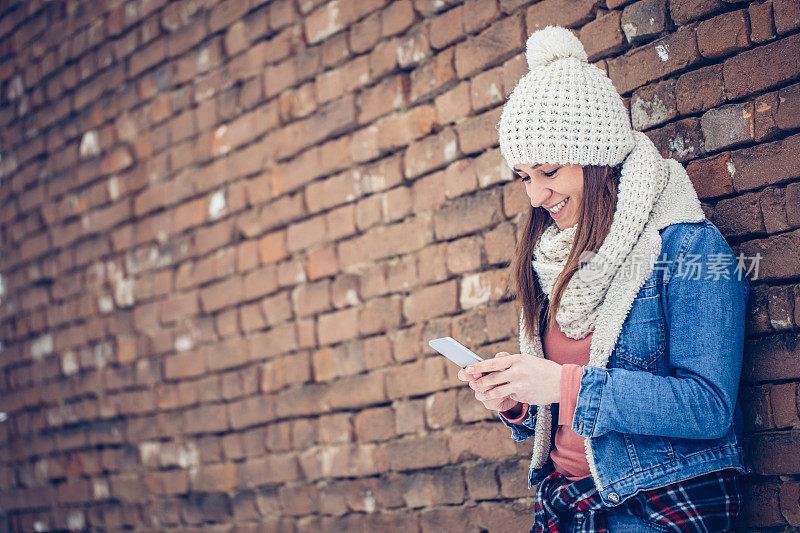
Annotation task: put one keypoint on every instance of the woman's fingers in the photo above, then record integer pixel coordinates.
(491, 365)
(500, 391)
(491, 380)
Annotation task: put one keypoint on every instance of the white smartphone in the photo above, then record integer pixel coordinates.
(455, 351)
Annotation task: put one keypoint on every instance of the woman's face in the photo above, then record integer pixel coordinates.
(549, 184)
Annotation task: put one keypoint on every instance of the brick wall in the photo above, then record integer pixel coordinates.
(229, 228)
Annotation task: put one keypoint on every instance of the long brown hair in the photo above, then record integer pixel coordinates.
(600, 186)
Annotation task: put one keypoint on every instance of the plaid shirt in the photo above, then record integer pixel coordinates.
(710, 502)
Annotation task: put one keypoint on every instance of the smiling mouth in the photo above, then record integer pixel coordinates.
(556, 209)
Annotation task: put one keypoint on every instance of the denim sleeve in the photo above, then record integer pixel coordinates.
(705, 325)
(525, 430)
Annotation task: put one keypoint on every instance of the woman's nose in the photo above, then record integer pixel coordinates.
(538, 195)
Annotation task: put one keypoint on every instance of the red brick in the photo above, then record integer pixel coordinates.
(358, 391)
(603, 36)
(683, 11)
(380, 315)
(399, 130)
(787, 15)
(397, 17)
(644, 20)
(762, 28)
(413, 48)
(306, 233)
(364, 34)
(653, 105)
(499, 244)
(467, 214)
(446, 28)
(429, 78)
(784, 404)
(739, 216)
(374, 424)
(766, 164)
(681, 140)
(429, 302)
(403, 274)
(327, 20)
(793, 204)
(762, 508)
(773, 208)
(485, 441)
(429, 192)
(728, 126)
(454, 104)
(491, 45)
(417, 452)
(789, 498)
(478, 133)
(565, 13)
(426, 489)
(431, 153)
(470, 409)
(756, 407)
(432, 267)
(440, 409)
(272, 247)
(214, 478)
(322, 262)
(470, 328)
(655, 60)
(483, 287)
(341, 222)
(459, 178)
(784, 65)
(420, 377)
(383, 58)
(487, 89)
(464, 255)
(724, 34)
(377, 351)
(345, 360)
(396, 204)
(403, 237)
(774, 452)
(771, 358)
(387, 95)
(337, 326)
(766, 107)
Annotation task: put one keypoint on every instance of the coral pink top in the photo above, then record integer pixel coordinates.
(569, 454)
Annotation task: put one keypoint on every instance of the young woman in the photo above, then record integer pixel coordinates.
(635, 306)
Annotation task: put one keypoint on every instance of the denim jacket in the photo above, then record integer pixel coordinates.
(664, 408)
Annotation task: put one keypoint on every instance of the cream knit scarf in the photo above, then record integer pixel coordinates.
(653, 193)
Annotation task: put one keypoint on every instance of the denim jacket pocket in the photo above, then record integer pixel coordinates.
(642, 340)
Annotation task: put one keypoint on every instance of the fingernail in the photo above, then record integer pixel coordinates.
(470, 369)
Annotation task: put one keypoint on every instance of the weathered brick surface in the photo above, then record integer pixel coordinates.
(230, 228)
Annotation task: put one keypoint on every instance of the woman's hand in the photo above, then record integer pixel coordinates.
(493, 404)
(519, 377)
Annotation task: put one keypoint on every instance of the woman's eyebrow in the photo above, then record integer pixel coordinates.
(534, 167)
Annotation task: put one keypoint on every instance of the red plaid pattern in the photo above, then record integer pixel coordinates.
(710, 502)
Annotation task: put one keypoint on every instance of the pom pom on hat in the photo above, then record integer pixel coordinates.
(565, 109)
(551, 44)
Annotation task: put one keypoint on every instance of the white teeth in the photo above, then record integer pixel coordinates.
(558, 206)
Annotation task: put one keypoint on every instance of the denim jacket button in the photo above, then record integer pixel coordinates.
(613, 497)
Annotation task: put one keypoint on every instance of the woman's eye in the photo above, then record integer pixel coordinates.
(525, 178)
(548, 174)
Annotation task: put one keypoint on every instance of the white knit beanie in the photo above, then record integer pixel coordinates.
(564, 110)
